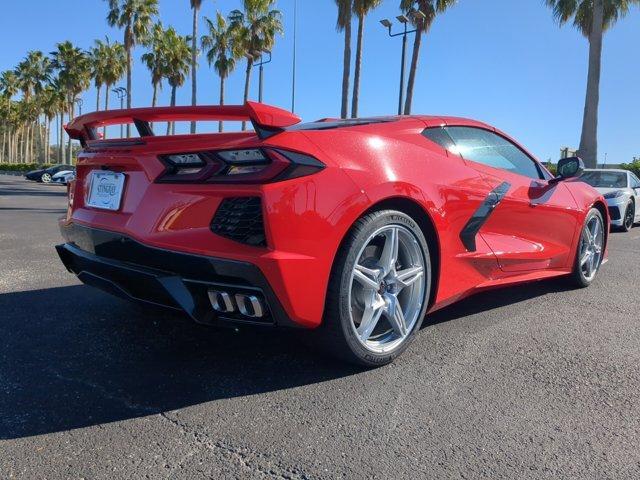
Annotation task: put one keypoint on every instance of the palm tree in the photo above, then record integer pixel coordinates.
(74, 74)
(592, 18)
(422, 13)
(361, 8)
(345, 8)
(254, 32)
(218, 44)
(97, 55)
(52, 102)
(195, 6)
(136, 17)
(115, 64)
(8, 89)
(177, 58)
(31, 73)
(154, 59)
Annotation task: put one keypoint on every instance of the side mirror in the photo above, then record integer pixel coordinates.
(571, 167)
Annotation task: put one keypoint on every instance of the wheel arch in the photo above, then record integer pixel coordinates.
(602, 208)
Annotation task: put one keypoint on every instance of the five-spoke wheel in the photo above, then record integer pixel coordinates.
(379, 289)
(590, 249)
(387, 287)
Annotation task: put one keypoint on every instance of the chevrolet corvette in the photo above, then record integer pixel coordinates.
(354, 228)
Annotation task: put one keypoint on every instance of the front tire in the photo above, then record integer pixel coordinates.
(378, 291)
(590, 250)
(629, 217)
(45, 178)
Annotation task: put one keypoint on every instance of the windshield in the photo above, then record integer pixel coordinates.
(605, 179)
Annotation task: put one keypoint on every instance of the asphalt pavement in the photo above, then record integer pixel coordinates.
(535, 381)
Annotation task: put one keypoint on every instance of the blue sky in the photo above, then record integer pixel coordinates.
(502, 61)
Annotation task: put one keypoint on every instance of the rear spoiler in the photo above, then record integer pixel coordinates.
(266, 120)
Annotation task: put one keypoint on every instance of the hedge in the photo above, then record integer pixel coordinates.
(22, 167)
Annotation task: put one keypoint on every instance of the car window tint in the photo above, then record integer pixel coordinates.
(605, 179)
(440, 136)
(635, 183)
(488, 148)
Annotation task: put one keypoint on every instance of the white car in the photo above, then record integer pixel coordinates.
(621, 189)
(63, 177)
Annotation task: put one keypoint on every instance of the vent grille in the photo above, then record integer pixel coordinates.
(240, 219)
(614, 213)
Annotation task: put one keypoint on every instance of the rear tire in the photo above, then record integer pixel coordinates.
(377, 299)
(590, 250)
(45, 178)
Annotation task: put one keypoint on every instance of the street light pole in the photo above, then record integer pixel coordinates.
(404, 20)
(260, 64)
(121, 93)
(402, 67)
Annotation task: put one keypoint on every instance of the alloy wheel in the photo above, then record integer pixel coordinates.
(629, 217)
(387, 288)
(591, 246)
(46, 178)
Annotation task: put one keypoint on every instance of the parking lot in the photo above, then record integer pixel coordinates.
(536, 381)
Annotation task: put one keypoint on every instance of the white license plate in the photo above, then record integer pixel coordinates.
(105, 190)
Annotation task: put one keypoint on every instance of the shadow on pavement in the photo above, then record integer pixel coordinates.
(72, 357)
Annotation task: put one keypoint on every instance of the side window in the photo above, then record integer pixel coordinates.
(440, 136)
(491, 149)
(635, 183)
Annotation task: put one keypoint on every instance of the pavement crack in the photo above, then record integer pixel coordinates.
(105, 393)
(257, 463)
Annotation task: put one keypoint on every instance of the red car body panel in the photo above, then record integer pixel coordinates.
(533, 234)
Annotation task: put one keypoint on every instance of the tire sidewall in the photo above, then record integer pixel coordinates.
(631, 208)
(582, 280)
(385, 218)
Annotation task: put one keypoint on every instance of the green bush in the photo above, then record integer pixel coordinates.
(21, 167)
(633, 166)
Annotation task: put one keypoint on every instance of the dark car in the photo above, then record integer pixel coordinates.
(44, 174)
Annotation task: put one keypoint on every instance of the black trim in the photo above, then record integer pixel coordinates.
(481, 215)
(127, 268)
(143, 127)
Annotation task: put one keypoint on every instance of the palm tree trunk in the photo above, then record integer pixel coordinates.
(247, 84)
(220, 124)
(98, 98)
(194, 66)
(106, 107)
(69, 144)
(4, 141)
(129, 69)
(346, 71)
(171, 126)
(356, 75)
(61, 158)
(47, 145)
(589, 138)
(412, 72)
(154, 99)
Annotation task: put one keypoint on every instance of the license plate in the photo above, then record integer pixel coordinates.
(105, 190)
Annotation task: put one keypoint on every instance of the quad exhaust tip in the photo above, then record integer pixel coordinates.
(247, 305)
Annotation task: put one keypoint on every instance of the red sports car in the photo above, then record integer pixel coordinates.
(355, 228)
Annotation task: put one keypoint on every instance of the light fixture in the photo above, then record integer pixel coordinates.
(385, 23)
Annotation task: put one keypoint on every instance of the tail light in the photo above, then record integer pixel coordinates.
(250, 165)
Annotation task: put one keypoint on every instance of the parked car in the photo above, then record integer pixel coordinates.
(354, 228)
(63, 177)
(45, 175)
(621, 189)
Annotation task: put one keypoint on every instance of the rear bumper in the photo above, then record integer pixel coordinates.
(180, 281)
